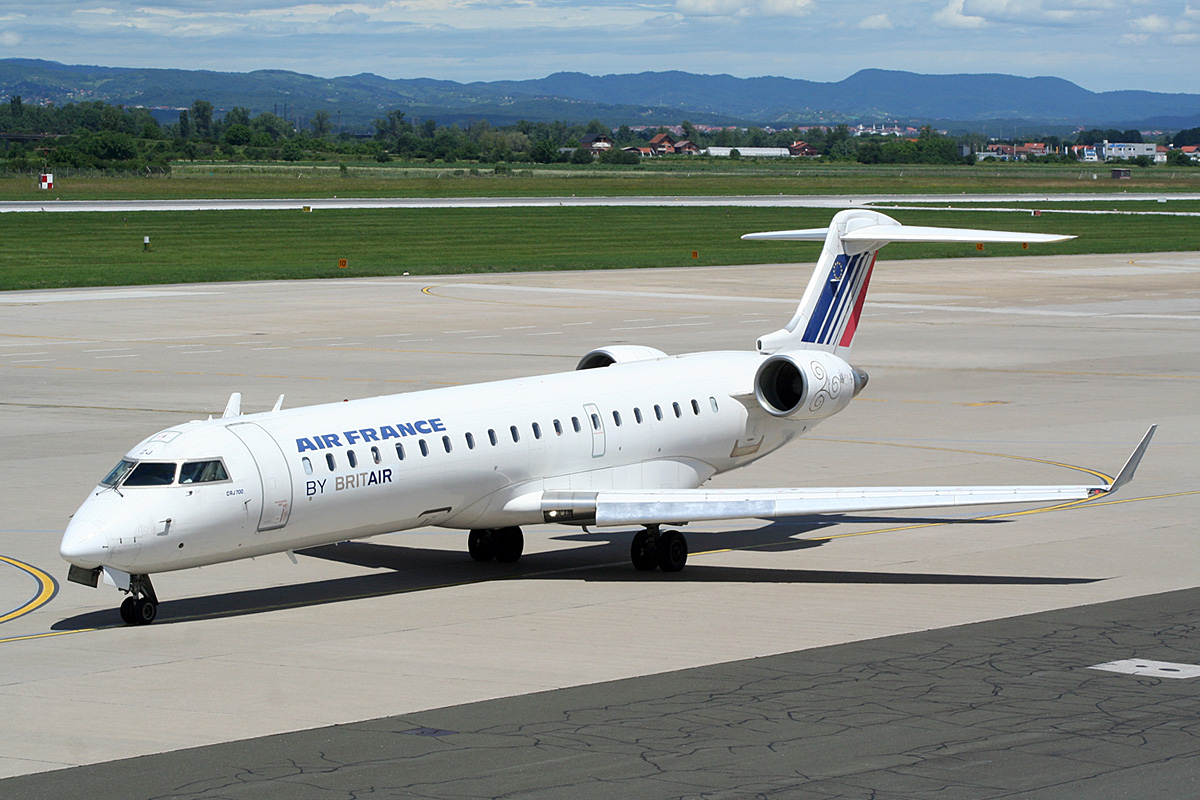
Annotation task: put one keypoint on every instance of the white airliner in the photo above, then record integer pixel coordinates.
(626, 439)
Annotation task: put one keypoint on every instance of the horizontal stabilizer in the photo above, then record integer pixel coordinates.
(883, 234)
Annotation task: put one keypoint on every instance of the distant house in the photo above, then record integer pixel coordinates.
(802, 149)
(687, 147)
(662, 144)
(1160, 154)
(644, 152)
(597, 142)
(1191, 151)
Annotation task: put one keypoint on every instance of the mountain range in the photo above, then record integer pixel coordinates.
(975, 102)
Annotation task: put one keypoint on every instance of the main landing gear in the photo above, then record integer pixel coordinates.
(652, 548)
(503, 544)
(141, 607)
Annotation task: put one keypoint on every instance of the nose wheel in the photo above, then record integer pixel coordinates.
(141, 607)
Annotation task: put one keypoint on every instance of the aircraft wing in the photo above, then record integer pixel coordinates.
(648, 507)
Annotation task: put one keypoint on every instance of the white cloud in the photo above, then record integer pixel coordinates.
(712, 8)
(786, 8)
(876, 22)
(952, 16)
(1152, 24)
(745, 8)
(9, 38)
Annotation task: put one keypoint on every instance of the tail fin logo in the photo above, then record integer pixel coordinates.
(835, 317)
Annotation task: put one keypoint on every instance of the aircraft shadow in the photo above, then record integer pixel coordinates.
(404, 569)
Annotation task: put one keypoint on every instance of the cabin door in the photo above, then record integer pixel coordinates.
(273, 471)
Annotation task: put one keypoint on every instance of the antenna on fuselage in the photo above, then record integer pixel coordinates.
(234, 407)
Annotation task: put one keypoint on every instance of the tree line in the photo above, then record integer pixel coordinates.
(96, 135)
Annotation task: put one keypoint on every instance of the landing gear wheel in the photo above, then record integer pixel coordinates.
(141, 607)
(144, 611)
(672, 551)
(127, 611)
(481, 545)
(644, 551)
(510, 543)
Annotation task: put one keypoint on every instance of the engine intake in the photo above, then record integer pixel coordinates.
(618, 354)
(806, 384)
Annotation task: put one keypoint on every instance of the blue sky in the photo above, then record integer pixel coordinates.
(1099, 44)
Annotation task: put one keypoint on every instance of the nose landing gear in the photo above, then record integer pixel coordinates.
(141, 607)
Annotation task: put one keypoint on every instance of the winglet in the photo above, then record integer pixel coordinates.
(1126, 473)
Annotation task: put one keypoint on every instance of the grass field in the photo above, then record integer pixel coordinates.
(105, 249)
(660, 177)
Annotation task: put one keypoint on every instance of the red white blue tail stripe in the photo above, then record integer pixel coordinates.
(835, 316)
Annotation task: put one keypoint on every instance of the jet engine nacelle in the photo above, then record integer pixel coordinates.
(806, 384)
(618, 354)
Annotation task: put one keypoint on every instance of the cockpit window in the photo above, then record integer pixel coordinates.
(151, 473)
(119, 471)
(202, 472)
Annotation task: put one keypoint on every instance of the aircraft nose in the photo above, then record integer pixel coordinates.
(84, 544)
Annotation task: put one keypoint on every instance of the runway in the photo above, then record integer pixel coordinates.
(679, 201)
(1022, 370)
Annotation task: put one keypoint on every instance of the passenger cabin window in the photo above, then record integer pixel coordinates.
(617, 418)
(515, 434)
(470, 441)
(575, 424)
(424, 447)
(375, 456)
(695, 408)
(557, 428)
(537, 431)
(207, 472)
(658, 412)
(637, 415)
(492, 437)
(446, 443)
(712, 401)
(151, 473)
(678, 410)
(352, 458)
(595, 422)
(330, 462)
(399, 451)
(307, 465)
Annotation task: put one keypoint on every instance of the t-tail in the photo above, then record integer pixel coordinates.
(828, 314)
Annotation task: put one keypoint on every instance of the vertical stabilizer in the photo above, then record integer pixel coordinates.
(828, 314)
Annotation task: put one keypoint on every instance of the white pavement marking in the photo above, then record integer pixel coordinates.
(617, 293)
(746, 201)
(102, 294)
(1158, 669)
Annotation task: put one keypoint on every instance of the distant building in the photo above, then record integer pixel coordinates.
(802, 149)
(662, 144)
(1127, 150)
(597, 142)
(750, 152)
